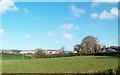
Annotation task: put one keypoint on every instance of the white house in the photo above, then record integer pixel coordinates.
(28, 52)
(53, 51)
(0, 51)
(74, 51)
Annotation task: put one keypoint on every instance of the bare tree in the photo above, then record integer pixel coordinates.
(77, 48)
(38, 54)
(90, 44)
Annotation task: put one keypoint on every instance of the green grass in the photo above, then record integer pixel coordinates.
(11, 56)
(75, 64)
(6, 56)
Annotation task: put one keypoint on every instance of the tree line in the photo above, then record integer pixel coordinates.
(90, 45)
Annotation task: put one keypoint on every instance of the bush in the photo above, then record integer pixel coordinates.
(110, 71)
(106, 54)
(38, 55)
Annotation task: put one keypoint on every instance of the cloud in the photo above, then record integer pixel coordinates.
(25, 10)
(7, 5)
(28, 36)
(57, 42)
(106, 15)
(76, 11)
(50, 33)
(114, 11)
(94, 15)
(2, 32)
(109, 15)
(69, 27)
(68, 36)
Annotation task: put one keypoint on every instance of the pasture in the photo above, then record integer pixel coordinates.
(76, 64)
(11, 56)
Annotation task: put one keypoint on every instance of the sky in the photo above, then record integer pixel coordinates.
(52, 25)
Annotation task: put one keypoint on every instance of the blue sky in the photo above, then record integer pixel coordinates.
(51, 25)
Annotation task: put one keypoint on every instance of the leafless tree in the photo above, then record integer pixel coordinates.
(88, 45)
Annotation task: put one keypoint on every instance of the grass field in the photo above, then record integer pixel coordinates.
(77, 64)
(11, 56)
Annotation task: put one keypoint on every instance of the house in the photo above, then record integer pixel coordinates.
(0, 51)
(28, 51)
(23, 52)
(5, 51)
(66, 52)
(74, 51)
(52, 51)
(110, 50)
